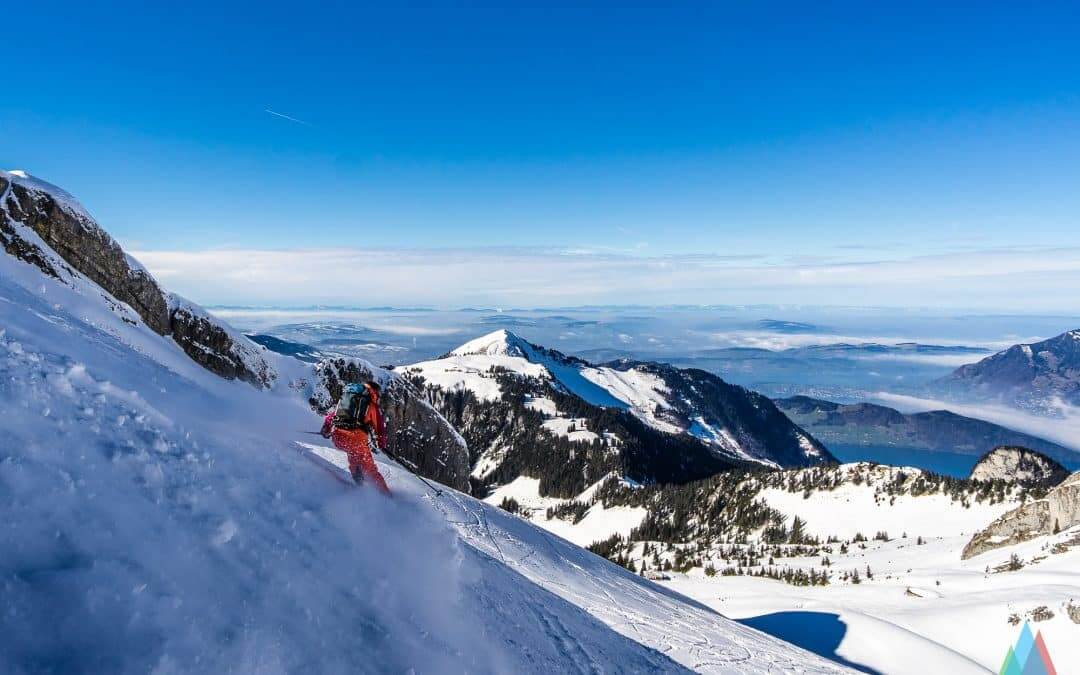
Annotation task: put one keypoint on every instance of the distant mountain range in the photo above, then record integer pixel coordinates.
(868, 424)
(1023, 373)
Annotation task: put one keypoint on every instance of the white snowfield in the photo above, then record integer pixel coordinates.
(925, 610)
(598, 524)
(156, 518)
(853, 509)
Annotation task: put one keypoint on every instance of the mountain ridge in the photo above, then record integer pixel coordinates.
(1023, 373)
(505, 394)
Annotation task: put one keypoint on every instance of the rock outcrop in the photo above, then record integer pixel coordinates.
(69, 231)
(216, 347)
(418, 434)
(1022, 465)
(48, 228)
(1059, 510)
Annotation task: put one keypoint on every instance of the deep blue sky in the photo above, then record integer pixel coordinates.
(820, 131)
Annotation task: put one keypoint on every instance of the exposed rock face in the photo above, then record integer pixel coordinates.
(46, 227)
(1025, 466)
(72, 234)
(218, 350)
(1059, 510)
(417, 433)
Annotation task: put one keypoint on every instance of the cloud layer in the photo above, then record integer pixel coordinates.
(1036, 279)
(1064, 429)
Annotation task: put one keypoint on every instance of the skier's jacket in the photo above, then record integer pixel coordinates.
(372, 423)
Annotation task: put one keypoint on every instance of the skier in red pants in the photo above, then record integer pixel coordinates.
(349, 426)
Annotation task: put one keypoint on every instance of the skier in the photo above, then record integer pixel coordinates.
(350, 425)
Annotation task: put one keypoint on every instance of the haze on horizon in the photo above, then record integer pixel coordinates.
(845, 155)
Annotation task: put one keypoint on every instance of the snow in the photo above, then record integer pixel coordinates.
(542, 405)
(924, 611)
(645, 393)
(156, 518)
(598, 524)
(807, 447)
(474, 373)
(853, 509)
(721, 437)
(560, 426)
(499, 343)
(467, 367)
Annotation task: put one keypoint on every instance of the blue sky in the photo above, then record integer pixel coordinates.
(778, 141)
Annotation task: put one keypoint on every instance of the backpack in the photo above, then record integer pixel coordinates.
(352, 407)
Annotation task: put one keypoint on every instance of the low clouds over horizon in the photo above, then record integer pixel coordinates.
(995, 280)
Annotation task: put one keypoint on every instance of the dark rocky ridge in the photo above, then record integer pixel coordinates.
(84, 247)
(510, 431)
(43, 226)
(758, 425)
(87, 248)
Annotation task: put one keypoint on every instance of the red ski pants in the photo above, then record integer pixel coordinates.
(355, 444)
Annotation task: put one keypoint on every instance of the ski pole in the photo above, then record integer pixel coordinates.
(402, 463)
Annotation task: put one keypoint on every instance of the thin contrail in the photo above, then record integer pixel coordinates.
(291, 119)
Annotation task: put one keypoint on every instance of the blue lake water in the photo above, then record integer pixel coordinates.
(946, 463)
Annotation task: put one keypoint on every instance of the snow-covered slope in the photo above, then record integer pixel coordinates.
(924, 610)
(875, 575)
(683, 631)
(158, 518)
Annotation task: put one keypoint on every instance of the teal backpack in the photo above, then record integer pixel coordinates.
(352, 407)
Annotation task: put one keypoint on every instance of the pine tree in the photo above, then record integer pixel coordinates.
(798, 531)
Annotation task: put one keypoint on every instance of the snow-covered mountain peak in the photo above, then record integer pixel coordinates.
(736, 424)
(499, 343)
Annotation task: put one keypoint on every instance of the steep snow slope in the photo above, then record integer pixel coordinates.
(684, 631)
(156, 517)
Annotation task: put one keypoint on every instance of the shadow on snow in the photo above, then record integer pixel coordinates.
(817, 632)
